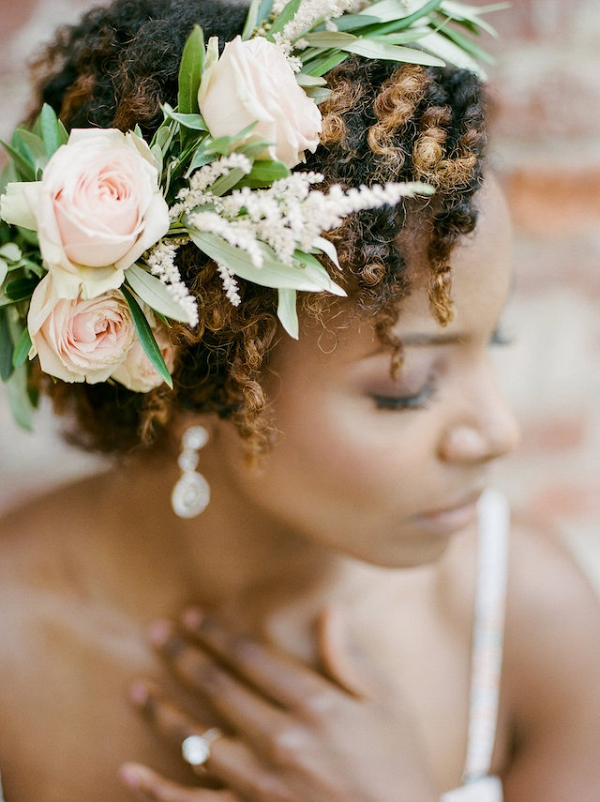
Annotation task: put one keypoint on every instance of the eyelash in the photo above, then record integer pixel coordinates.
(425, 395)
(418, 400)
(501, 338)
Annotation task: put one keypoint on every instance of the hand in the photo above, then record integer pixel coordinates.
(291, 734)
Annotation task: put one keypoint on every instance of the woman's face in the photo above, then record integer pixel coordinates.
(388, 470)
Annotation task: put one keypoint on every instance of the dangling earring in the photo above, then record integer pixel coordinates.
(191, 493)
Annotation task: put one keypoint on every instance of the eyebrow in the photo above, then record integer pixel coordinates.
(423, 340)
(439, 338)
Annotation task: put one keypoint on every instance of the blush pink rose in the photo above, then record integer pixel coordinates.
(252, 82)
(77, 339)
(97, 208)
(137, 372)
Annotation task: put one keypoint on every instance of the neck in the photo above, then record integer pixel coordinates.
(233, 559)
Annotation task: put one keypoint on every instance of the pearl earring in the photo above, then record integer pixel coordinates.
(191, 493)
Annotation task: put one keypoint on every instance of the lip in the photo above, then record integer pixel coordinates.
(452, 518)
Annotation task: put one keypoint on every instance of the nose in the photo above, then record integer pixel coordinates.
(483, 430)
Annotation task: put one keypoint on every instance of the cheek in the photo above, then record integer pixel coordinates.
(343, 452)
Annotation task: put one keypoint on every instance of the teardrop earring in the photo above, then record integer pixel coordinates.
(191, 493)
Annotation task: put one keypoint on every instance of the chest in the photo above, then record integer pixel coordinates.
(67, 724)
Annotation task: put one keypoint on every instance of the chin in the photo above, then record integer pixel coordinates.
(408, 555)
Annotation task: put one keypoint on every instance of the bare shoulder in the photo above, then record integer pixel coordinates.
(551, 669)
(552, 607)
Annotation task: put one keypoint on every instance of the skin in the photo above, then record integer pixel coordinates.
(345, 566)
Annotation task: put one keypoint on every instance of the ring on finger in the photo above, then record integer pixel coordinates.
(196, 748)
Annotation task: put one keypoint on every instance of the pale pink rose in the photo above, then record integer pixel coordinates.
(97, 208)
(77, 339)
(252, 82)
(137, 372)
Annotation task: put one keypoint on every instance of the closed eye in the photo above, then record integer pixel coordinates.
(418, 400)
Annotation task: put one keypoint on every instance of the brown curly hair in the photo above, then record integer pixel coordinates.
(382, 122)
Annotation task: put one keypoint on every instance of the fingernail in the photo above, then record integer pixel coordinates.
(131, 776)
(160, 631)
(138, 693)
(163, 636)
(192, 618)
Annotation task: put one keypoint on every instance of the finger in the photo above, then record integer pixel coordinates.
(169, 720)
(246, 711)
(277, 676)
(150, 786)
(230, 761)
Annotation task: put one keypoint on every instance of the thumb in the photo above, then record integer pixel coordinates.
(342, 662)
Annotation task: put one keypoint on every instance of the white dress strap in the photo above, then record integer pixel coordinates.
(486, 657)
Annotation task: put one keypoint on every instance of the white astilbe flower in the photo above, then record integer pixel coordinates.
(161, 260)
(239, 233)
(309, 12)
(198, 192)
(289, 215)
(325, 212)
(230, 285)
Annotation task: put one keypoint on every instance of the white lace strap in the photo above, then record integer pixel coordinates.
(488, 633)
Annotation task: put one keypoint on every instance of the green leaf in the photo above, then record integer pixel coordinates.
(63, 133)
(3, 270)
(258, 11)
(22, 349)
(394, 12)
(286, 15)
(201, 157)
(190, 72)
(6, 347)
(329, 39)
(19, 398)
(226, 182)
(25, 167)
(153, 292)
(35, 146)
(466, 45)
(287, 311)
(401, 37)
(194, 122)
(223, 145)
(51, 133)
(146, 336)
(30, 237)
(264, 173)
(451, 53)
(305, 81)
(352, 22)
(462, 13)
(376, 50)
(21, 289)
(273, 273)
(322, 64)
(318, 93)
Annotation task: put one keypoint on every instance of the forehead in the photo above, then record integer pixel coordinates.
(481, 279)
(481, 271)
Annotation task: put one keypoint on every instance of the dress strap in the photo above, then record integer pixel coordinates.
(488, 633)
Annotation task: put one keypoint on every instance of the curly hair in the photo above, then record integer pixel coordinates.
(383, 122)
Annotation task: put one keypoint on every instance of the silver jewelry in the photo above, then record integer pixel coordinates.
(196, 748)
(191, 493)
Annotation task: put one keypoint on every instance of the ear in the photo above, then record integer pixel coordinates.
(341, 661)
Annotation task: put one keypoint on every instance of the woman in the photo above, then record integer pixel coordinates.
(328, 585)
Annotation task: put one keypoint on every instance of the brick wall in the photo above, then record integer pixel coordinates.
(547, 153)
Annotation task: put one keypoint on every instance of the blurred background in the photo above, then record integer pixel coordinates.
(546, 149)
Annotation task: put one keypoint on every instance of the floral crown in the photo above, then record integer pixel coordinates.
(91, 221)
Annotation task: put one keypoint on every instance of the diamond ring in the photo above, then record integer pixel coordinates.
(196, 748)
